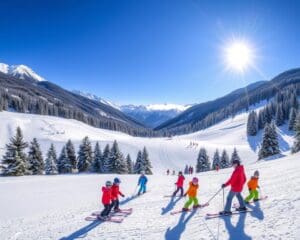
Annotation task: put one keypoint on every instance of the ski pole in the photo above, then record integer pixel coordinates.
(223, 198)
(214, 196)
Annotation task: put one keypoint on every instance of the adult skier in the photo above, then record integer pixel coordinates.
(237, 181)
(142, 183)
(179, 184)
(115, 192)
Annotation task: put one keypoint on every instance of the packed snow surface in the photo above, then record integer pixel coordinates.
(55, 207)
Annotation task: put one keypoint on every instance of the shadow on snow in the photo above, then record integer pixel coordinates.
(176, 231)
(237, 231)
(170, 205)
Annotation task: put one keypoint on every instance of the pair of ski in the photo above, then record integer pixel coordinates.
(116, 217)
(235, 206)
(190, 209)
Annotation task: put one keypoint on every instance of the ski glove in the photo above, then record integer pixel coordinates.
(123, 195)
(185, 195)
(223, 185)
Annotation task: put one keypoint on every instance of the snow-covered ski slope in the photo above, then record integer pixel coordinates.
(165, 153)
(54, 207)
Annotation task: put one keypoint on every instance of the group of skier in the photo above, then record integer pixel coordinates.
(111, 191)
(236, 181)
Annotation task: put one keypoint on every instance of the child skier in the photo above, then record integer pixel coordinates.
(253, 185)
(179, 184)
(192, 193)
(142, 183)
(237, 181)
(115, 192)
(106, 200)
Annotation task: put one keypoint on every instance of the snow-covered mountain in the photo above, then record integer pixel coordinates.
(20, 71)
(155, 114)
(96, 98)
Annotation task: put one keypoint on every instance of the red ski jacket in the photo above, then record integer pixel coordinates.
(237, 179)
(115, 192)
(106, 195)
(180, 181)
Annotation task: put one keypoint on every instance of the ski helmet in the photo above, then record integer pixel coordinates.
(180, 173)
(143, 172)
(195, 180)
(108, 184)
(117, 180)
(256, 173)
(237, 162)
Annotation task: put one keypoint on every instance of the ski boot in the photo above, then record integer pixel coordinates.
(225, 213)
(241, 209)
(185, 209)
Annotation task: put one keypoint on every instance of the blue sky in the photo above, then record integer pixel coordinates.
(148, 51)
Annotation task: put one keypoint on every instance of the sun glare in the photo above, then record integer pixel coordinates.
(238, 56)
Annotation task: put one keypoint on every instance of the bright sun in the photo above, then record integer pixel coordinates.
(238, 56)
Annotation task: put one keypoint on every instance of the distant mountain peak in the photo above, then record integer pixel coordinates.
(20, 71)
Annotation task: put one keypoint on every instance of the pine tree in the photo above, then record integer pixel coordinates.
(252, 124)
(203, 163)
(139, 165)
(118, 162)
(216, 160)
(85, 155)
(14, 161)
(130, 165)
(224, 163)
(292, 118)
(97, 165)
(186, 169)
(261, 120)
(234, 156)
(50, 163)
(107, 164)
(71, 154)
(35, 158)
(146, 161)
(63, 163)
(279, 118)
(270, 145)
(296, 147)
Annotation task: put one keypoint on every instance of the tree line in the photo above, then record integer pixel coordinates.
(219, 161)
(16, 162)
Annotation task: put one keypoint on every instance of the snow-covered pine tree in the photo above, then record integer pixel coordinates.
(234, 156)
(216, 160)
(261, 120)
(118, 162)
(63, 163)
(130, 165)
(252, 124)
(35, 158)
(71, 154)
(279, 117)
(203, 163)
(107, 164)
(85, 155)
(97, 164)
(270, 145)
(292, 118)
(186, 169)
(146, 161)
(139, 165)
(15, 161)
(224, 162)
(296, 146)
(50, 163)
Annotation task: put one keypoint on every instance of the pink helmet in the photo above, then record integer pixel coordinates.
(195, 180)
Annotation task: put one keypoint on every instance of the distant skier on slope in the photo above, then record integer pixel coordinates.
(252, 186)
(179, 184)
(168, 172)
(115, 192)
(142, 183)
(106, 200)
(237, 181)
(192, 193)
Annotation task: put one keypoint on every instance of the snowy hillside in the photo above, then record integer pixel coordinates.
(20, 71)
(172, 153)
(54, 207)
